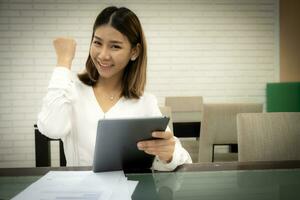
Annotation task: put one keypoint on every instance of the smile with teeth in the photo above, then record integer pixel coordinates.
(104, 66)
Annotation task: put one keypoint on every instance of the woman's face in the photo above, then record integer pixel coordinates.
(110, 51)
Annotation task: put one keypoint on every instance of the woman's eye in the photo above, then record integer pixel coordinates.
(115, 47)
(96, 42)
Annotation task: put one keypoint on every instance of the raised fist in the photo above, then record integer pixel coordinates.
(65, 50)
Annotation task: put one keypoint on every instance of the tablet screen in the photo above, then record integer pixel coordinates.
(116, 143)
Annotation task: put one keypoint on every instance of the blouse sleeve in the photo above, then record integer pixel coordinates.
(180, 155)
(54, 120)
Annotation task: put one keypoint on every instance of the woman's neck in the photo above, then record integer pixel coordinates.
(109, 85)
(108, 92)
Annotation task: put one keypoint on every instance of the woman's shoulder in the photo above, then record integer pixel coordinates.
(148, 97)
(150, 104)
(79, 85)
(144, 100)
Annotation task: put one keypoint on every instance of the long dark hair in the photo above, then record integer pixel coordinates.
(127, 23)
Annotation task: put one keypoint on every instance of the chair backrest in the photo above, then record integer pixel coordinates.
(269, 136)
(187, 116)
(219, 126)
(166, 111)
(185, 108)
(43, 150)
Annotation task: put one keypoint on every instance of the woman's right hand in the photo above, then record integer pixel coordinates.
(65, 51)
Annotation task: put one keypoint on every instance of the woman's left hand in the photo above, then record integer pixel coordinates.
(162, 147)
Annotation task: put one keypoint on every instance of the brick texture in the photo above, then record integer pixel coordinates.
(223, 50)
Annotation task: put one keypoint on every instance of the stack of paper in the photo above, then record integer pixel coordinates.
(85, 185)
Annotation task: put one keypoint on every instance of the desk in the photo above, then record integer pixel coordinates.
(249, 180)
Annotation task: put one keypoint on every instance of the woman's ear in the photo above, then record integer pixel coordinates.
(135, 52)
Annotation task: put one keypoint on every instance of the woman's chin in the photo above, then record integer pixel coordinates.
(111, 73)
(105, 76)
(105, 73)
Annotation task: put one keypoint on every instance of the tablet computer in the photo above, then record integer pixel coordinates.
(116, 143)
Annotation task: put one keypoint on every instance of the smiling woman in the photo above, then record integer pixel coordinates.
(118, 36)
(111, 52)
(111, 86)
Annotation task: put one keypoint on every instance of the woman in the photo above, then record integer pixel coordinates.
(111, 86)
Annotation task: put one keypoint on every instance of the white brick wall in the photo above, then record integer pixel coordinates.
(223, 50)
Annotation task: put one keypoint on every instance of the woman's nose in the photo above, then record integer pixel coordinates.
(104, 54)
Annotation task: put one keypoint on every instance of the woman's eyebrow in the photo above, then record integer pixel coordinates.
(98, 38)
(111, 41)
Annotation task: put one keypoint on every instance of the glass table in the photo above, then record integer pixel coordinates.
(251, 180)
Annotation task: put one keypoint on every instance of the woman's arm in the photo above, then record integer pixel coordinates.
(54, 120)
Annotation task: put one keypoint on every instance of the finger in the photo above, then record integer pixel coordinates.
(161, 149)
(165, 156)
(158, 153)
(158, 148)
(162, 134)
(156, 143)
(150, 152)
(152, 143)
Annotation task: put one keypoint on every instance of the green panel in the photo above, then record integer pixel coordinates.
(283, 97)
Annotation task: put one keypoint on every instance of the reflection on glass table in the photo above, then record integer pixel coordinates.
(262, 180)
(256, 184)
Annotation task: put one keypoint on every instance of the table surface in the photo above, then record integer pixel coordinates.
(234, 180)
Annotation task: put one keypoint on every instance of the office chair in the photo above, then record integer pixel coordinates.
(187, 116)
(219, 128)
(268, 136)
(43, 150)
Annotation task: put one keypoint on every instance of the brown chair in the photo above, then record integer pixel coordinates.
(219, 128)
(268, 136)
(187, 115)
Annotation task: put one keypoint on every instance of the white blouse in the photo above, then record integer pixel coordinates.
(70, 111)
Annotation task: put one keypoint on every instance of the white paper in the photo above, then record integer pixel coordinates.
(85, 185)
